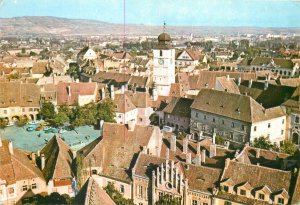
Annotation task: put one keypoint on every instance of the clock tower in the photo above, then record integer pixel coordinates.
(163, 64)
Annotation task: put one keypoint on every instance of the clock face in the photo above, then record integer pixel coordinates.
(160, 61)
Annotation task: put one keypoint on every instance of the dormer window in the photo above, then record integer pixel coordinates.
(225, 188)
(243, 192)
(261, 196)
(280, 200)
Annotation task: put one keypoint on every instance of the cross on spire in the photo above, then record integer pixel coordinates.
(164, 26)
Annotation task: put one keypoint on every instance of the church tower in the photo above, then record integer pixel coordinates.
(163, 64)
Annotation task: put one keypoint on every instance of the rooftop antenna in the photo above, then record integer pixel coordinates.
(124, 23)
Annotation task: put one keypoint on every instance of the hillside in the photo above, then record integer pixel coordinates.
(44, 26)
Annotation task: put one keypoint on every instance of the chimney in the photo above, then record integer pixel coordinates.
(200, 135)
(73, 154)
(131, 125)
(38, 153)
(112, 92)
(212, 150)
(33, 157)
(214, 138)
(250, 83)
(203, 155)
(10, 147)
(266, 85)
(154, 94)
(227, 77)
(257, 153)
(227, 161)
(188, 158)
(123, 89)
(167, 153)
(198, 148)
(101, 124)
(102, 93)
(198, 159)
(69, 90)
(239, 81)
(173, 143)
(42, 161)
(185, 143)
(0, 142)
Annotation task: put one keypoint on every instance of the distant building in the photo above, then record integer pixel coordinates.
(19, 99)
(281, 66)
(239, 118)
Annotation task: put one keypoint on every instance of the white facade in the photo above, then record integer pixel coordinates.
(274, 129)
(164, 70)
(124, 118)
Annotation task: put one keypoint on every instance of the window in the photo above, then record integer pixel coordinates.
(269, 125)
(255, 128)
(4, 111)
(140, 191)
(243, 192)
(11, 190)
(280, 200)
(296, 119)
(261, 196)
(232, 124)
(226, 188)
(223, 122)
(282, 131)
(243, 127)
(1, 192)
(194, 202)
(122, 188)
(282, 121)
(94, 171)
(160, 195)
(160, 53)
(204, 117)
(24, 188)
(33, 186)
(214, 120)
(205, 203)
(141, 203)
(227, 203)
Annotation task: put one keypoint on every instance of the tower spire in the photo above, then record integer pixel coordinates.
(164, 27)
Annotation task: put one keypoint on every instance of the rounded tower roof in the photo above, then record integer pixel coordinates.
(164, 38)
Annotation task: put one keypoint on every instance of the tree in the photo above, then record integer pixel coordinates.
(264, 143)
(3, 123)
(116, 196)
(106, 111)
(23, 51)
(220, 140)
(23, 121)
(60, 119)
(288, 147)
(168, 199)
(53, 198)
(47, 110)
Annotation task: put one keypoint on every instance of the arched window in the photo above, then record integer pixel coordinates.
(160, 53)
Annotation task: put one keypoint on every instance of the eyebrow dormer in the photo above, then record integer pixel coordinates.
(263, 193)
(244, 189)
(227, 185)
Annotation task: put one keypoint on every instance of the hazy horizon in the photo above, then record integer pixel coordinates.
(213, 13)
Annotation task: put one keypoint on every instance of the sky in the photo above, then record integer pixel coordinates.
(256, 13)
